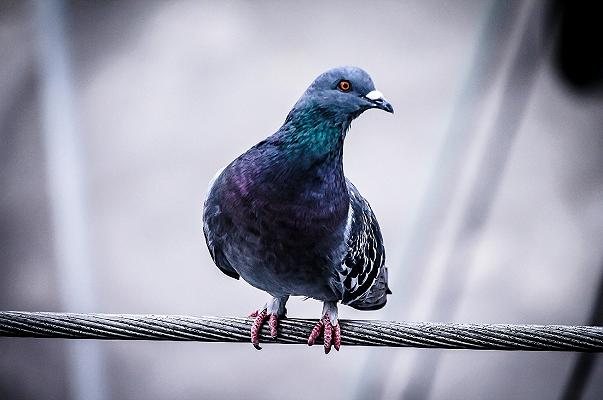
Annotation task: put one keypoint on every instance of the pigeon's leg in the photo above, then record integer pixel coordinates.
(272, 310)
(329, 326)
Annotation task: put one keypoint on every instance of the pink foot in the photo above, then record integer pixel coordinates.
(332, 334)
(256, 327)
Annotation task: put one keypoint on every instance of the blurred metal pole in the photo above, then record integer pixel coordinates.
(519, 81)
(580, 375)
(446, 172)
(67, 191)
(449, 165)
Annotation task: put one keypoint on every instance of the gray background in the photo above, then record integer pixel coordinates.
(166, 93)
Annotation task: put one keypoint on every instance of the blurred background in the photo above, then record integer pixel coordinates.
(487, 182)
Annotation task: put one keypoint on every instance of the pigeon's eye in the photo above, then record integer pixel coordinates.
(344, 86)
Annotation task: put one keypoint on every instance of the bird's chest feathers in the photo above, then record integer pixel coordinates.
(301, 189)
(311, 196)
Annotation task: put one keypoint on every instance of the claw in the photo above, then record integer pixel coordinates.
(331, 333)
(328, 334)
(256, 327)
(273, 323)
(315, 333)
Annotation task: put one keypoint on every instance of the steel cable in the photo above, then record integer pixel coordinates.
(293, 330)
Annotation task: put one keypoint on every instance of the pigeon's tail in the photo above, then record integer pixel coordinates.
(376, 297)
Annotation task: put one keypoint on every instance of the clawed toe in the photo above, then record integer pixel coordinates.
(256, 327)
(331, 334)
(273, 324)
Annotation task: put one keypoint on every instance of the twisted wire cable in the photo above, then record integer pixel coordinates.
(293, 330)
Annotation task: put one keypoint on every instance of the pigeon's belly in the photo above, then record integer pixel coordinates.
(287, 262)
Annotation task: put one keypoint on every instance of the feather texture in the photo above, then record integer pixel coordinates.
(364, 274)
(283, 216)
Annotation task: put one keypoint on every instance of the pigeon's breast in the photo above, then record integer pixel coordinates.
(285, 238)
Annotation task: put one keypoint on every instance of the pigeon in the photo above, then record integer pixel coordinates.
(284, 217)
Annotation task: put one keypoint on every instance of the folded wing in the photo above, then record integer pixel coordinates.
(363, 272)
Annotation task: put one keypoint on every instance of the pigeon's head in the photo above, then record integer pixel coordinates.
(342, 94)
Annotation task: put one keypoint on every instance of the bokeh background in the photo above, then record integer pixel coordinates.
(487, 182)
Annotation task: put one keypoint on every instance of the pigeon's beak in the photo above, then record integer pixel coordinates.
(377, 100)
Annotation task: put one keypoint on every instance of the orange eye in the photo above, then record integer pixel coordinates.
(344, 86)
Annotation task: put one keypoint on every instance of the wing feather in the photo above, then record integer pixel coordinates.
(363, 272)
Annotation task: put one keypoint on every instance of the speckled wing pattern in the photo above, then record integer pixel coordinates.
(363, 272)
